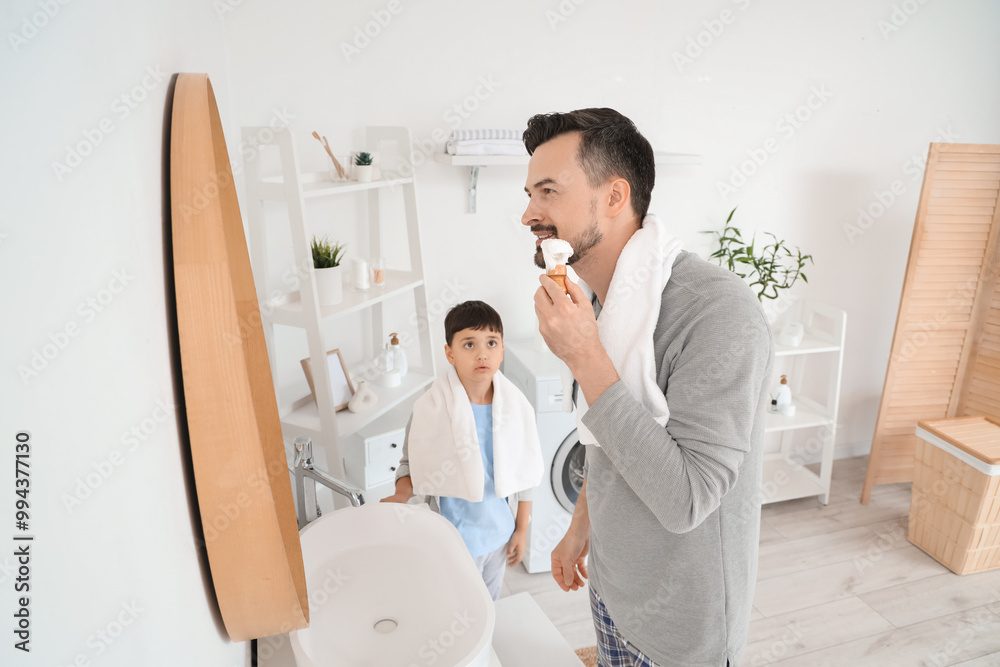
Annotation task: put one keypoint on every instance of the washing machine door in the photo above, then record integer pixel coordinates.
(567, 471)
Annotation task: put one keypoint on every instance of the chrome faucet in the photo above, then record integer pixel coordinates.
(305, 494)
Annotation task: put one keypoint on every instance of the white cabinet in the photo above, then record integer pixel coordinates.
(300, 309)
(373, 454)
(813, 369)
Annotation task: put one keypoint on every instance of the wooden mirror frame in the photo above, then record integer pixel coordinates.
(241, 473)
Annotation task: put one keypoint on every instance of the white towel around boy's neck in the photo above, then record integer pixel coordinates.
(444, 449)
(629, 316)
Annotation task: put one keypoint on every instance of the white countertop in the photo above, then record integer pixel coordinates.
(523, 637)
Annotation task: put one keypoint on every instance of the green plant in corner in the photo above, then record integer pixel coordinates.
(767, 268)
(325, 254)
(363, 159)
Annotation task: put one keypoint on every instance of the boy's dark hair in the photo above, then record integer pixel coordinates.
(610, 146)
(471, 315)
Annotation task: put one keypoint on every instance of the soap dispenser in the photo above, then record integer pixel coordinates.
(781, 398)
(391, 376)
(398, 355)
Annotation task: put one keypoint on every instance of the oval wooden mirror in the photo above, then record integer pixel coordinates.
(241, 474)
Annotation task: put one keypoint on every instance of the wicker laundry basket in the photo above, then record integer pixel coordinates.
(955, 508)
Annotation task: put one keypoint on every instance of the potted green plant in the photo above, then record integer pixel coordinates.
(363, 167)
(768, 268)
(327, 257)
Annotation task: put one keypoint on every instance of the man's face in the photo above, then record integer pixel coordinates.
(476, 354)
(561, 202)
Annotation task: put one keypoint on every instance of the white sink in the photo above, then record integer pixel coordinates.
(390, 585)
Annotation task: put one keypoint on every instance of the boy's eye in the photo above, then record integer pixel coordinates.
(492, 343)
(468, 344)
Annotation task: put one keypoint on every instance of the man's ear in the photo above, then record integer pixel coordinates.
(619, 196)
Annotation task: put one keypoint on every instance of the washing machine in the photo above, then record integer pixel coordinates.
(537, 372)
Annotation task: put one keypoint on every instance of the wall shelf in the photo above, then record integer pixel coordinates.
(480, 160)
(474, 162)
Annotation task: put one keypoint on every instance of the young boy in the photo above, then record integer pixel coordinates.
(472, 445)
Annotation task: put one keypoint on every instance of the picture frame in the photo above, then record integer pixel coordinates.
(340, 379)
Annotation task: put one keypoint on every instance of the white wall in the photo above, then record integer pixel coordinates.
(885, 78)
(117, 579)
(61, 241)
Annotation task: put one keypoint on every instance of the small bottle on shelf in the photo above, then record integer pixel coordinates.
(398, 355)
(390, 376)
(781, 398)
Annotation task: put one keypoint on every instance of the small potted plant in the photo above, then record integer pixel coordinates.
(767, 268)
(329, 273)
(363, 167)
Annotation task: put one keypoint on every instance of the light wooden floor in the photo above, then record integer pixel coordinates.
(837, 585)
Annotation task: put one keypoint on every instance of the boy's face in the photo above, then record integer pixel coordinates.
(475, 353)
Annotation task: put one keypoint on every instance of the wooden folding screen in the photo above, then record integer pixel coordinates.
(945, 358)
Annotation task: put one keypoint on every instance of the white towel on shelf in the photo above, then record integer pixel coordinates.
(486, 147)
(628, 319)
(486, 142)
(444, 449)
(464, 135)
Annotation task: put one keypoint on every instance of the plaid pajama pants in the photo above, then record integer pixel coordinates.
(613, 650)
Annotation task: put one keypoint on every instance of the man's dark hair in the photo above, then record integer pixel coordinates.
(471, 315)
(610, 146)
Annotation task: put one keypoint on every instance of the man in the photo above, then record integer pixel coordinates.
(669, 512)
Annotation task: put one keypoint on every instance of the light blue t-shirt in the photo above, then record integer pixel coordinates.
(487, 525)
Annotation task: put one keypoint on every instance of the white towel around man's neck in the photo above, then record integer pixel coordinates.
(444, 450)
(629, 316)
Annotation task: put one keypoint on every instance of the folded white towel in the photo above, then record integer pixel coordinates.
(487, 150)
(488, 147)
(485, 142)
(444, 448)
(462, 135)
(629, 316)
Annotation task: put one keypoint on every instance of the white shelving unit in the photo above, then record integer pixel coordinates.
(822, 348)
(306, 416)
(474, 162)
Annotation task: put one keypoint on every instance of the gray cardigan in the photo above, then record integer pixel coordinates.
(675, 511)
